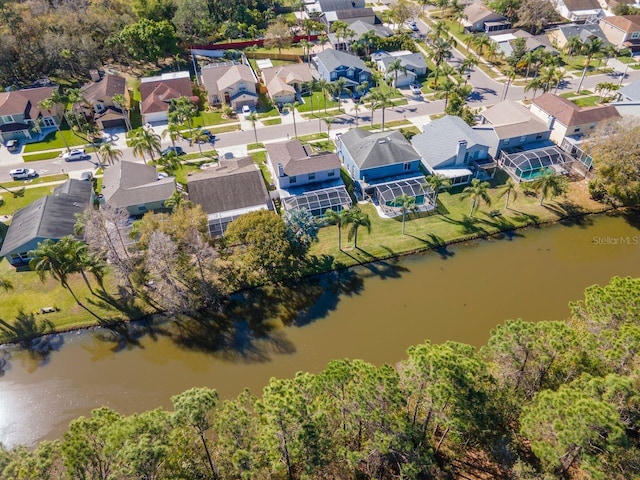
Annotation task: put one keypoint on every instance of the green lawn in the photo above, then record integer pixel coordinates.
(185, 169)
(11, 204)
(312, 136)
(260, 158)
(587, 101)
(324, 146)
(255, 146)
(35, 181)
(318, 102)
(55, 140)
(34, 157)
(266, 108)
(271, 121)
(213, 117)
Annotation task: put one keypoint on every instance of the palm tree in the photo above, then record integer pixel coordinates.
(49, 104)
(292, 108)
(573, 45)
(253, 118)
(382, 99)
(176, 199)
(169, 161)
(510, 73)
(534, 84)
(405, 203)
(144, 142)
(549, 183)
(173, 132)
(109, 153)
(325, 88)
(183, 110)
(395, 67)
(446, 88)
(199, 137)
(356, 218)
(438, 30)
(437, 183)
(441, 52)
(336, 218)
(338, 87)
(356, 108)
(480, 42)
(509, 190)
(589, 49)
(477, 191)
(604, 88)
(306, 47)
(329, 121)
(55, 258)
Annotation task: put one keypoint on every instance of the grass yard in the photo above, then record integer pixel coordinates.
(324, 146)
(55, 140)
(185, 169)
(260, 158)
(587, 101)
(34, 157)
(271, 121)
(266, 108)
(209, 118)
(313, 136)
(318, 102)
(255, 146)
(452, 223)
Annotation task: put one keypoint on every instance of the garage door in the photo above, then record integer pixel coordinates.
(113, 124)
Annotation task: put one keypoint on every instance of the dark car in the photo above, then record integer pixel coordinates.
(212, 137)
(177, 150)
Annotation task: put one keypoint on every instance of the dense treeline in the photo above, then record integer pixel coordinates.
(540, 400)
(67, 38)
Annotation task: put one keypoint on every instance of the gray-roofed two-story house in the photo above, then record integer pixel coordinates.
(630, 93)
(509, 124)
(414, 63)
(99, 95)
(19, 114)
(232, 84)
(136, 187)
(51, 217)
(450, 147)
(560, 35)
(231, 189)
(358, 29)
(366, 15)
(305, 179)
(321, 6)
(479, 18)
(332, 64)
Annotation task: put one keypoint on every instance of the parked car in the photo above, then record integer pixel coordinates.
(75, 154)
(162, 175)
(416, 89)
(212, 137)
(13, 145)
(23, 173)
(413, 26)
(171, 148)
(246, 111)
(86, 176)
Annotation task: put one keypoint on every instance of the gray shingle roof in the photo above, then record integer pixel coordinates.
(413, 61)
(632, 91)
(333, 59)
(298, 159)
(511, 119)
(583, 31)
(440, 138)
(233, 185)
(332, 5)
(126, 184)
(371, 150)
(53, 216)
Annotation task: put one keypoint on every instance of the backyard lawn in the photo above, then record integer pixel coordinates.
(318, 102)
(11, 204)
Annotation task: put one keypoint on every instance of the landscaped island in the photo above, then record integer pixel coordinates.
(553, 398)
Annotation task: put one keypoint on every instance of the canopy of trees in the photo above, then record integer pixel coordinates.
(543, 400)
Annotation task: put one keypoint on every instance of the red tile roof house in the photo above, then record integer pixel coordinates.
(156, 94)
(566, 119)
(22, 119)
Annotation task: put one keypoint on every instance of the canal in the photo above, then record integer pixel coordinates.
(373, 312)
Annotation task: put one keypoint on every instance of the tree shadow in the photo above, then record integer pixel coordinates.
(506, 228)
(631, 216)
(528, 218)
(470, 225)
(436, 244)
(570, 214)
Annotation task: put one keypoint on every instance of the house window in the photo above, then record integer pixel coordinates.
(292, 179)
(576, 130)
(242, 87)
(334, 76)
(332, 173)
(538, 136)
(7, 119)
(635, 35)
(99, 107)
(363, 77)
(523, 138)
(142, 208)
(48, 122)
(406, 166)
(351, 72)
(312, 176)
(506, 141)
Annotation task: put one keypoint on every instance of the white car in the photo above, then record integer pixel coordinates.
(75, 154)
(246, 111)
(416, 89)
(23, 173)
(413, 26)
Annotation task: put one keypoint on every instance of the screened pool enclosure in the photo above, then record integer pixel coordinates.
(528, 165)
(388, 193)
(318, 202)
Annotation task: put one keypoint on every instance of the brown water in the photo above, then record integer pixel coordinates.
(459, 294)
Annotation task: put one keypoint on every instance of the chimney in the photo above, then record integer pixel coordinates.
(461, 151)
(95, 75)
(280, 170)
(550, 121)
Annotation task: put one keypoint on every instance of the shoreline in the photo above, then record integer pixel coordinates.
(605, 210)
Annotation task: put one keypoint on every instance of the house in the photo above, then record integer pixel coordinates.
(505, 42)
(156, 94)
(305, 179)
(630, 93)
(22, 119)
(565, 118)
(349, 16)
(230, 83)
(479, 18)
(99, 95)
(318, 7)
(451, 148)
(231, 189)
(509, 124)
(385, 166)
(623, 31)
(560, 36)
(578, 10)
(284, 83)
(333, 64)
(358, 29)
(414, 64)
(51, 217)
(136, 187)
